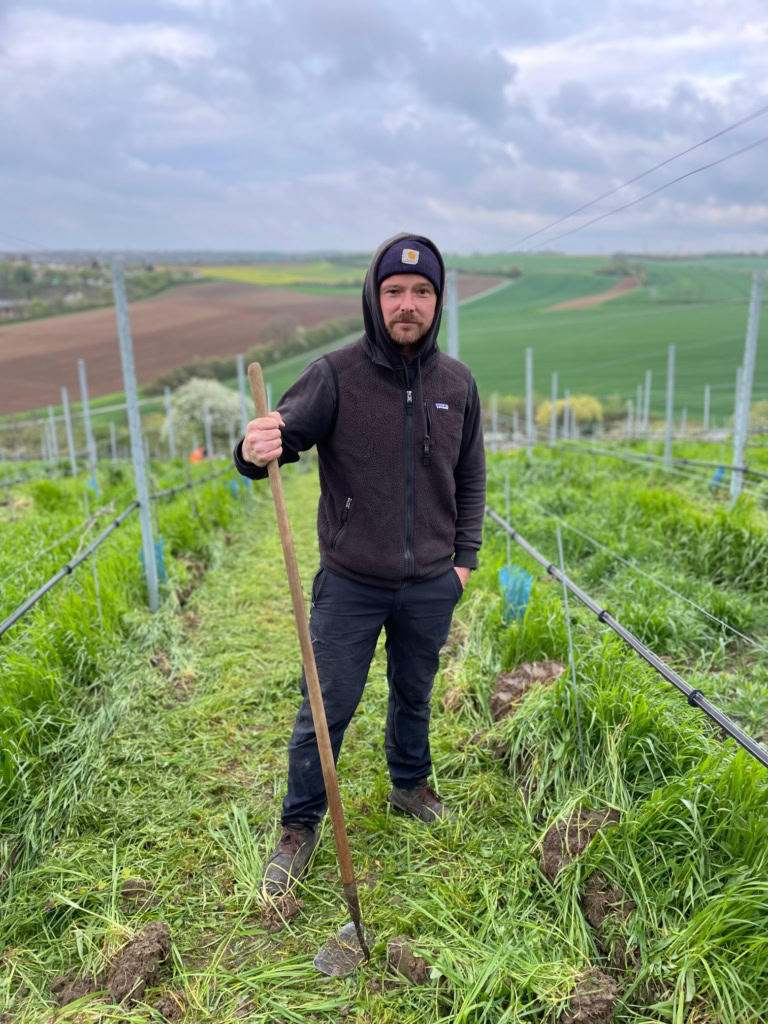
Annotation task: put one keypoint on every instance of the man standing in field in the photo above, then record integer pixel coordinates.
(399, 440)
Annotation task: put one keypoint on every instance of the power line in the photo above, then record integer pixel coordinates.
(653, 192)
(669, 160)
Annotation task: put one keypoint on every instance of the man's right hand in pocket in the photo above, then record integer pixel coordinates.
(263, 441)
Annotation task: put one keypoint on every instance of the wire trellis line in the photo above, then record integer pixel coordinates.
(695, 697)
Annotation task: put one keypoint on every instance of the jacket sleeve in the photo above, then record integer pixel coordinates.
(470, 485)
(308, 411)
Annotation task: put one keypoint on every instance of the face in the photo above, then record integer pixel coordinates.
(408, 303)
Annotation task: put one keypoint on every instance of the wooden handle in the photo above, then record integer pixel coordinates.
(256, 380)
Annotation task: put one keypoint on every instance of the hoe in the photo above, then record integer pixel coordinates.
(348, 948)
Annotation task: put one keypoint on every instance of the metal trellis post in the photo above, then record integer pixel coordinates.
(495, 422)
(54, 437)
(670, 406)
(241, 391)
(68, 427)
(452, 309)
(707, 399)
(741, 423)
(169, 423)
(91, 447)
(553, 413)
(134, 425)
(529, 399)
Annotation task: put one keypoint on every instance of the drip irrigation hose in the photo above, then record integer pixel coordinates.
(65, 570)
(695, 697)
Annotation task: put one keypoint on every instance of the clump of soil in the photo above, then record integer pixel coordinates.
(593, 1000)
(171, 1005)
(138, 964)
(604, 906)
(457, 638)
(159, 660)
(279, 911)
(67, 988)
(402, 960)
(195, 573)
(138, 895)
(565, 840)
(602, 900)
(191, 620)
(511, 687)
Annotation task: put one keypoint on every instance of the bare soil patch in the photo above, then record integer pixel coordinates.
(593, 1000)
(276, 914)
(402, 960)
(565, 840)
(625, 284)
(511, 687)
(217, 318)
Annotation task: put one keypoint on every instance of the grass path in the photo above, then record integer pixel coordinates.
(189, 791)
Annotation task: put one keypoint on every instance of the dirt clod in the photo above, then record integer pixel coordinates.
(67, 988)
(281, 909)
(171, 1005)
(402, 959)
(602, 900)
(159, 660)
(593, 1000)
(191, 620)
(511, 687)
(565, 840)
(138, 964)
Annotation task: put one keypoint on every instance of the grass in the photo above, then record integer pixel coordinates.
(316, 276)
(59, 701)
(185, 790)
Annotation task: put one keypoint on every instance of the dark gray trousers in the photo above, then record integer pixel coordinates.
(345, 623)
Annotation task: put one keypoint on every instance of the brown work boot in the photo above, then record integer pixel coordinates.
(290, 858)
(421, 801)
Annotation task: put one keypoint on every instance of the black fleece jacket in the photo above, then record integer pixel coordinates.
(400, 451)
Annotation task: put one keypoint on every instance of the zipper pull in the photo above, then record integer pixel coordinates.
(426, 458)
(409, 402)
(345, 510)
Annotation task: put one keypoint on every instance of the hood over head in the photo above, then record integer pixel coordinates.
(383, 349)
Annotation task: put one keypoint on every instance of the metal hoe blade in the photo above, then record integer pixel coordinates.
(343, 953)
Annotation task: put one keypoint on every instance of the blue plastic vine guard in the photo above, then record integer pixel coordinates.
(162, 575)
(516, 589)
(717, 477)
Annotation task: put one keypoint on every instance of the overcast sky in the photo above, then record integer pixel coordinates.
(314, 124)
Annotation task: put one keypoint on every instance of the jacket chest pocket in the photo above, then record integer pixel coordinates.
(446, 423)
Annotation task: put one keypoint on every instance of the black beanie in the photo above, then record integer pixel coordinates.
(408, 256)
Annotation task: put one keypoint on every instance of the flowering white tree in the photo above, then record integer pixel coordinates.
(189, 402)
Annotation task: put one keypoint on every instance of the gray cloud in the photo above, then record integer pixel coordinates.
(293, 124)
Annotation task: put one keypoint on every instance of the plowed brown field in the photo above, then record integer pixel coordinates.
(217, 318)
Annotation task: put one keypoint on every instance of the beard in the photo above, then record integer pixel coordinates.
(408, 337)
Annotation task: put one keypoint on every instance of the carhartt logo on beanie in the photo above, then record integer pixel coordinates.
(410, 257)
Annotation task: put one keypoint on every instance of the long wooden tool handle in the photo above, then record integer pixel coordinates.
(256, 380)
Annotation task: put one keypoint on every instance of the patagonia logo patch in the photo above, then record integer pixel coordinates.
(410, 256)
(440, 405)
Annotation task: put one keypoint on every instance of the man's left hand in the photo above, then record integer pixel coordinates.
(463, 574)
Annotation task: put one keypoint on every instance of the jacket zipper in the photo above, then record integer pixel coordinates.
(344, 517)
(409, 567)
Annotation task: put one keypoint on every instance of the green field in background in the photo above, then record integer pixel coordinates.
(312, 276)
(700, 306)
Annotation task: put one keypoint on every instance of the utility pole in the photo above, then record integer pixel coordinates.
(68, 427)
(741, 422)
(670, 406)
(452, 309)
(529, 399)
(134, 425)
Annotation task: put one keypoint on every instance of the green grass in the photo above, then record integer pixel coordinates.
(317, 276)
(184, 791)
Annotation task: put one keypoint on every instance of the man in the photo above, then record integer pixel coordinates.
(402, 495)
